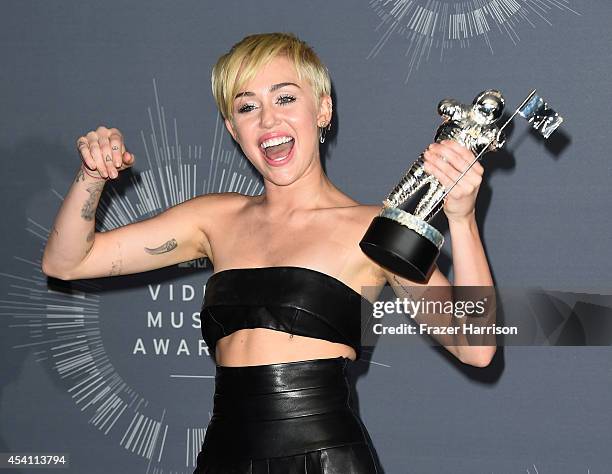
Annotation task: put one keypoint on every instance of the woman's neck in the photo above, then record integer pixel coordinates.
(313, 190)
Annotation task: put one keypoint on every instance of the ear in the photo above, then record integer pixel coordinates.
(325, 110)
(230, 128)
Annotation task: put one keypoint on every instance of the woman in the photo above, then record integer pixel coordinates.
(280, 311)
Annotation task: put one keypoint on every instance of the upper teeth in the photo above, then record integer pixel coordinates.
(275, 141)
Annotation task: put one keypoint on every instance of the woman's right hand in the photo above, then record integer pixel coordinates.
(103, 153)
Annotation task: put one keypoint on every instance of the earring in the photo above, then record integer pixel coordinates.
(324, 131)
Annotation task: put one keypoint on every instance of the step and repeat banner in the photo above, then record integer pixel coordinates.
(112, 373)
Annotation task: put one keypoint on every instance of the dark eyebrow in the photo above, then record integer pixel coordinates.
(272, 89)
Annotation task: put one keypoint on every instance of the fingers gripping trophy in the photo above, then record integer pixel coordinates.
(401, 238)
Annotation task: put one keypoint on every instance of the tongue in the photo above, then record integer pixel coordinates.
(278, 151)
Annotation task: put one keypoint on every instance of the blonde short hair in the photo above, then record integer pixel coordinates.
(255, 51)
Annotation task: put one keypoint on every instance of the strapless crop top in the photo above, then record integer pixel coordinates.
(295, 300)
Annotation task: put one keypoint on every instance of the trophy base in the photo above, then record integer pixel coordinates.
(400, 249)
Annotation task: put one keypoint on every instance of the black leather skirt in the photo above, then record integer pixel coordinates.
(286, 418)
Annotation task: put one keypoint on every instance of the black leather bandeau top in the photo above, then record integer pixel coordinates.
(295, 300)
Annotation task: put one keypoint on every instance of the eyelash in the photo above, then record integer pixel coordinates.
(286, 96)
(280, 101)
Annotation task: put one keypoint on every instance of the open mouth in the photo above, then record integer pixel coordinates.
(277, 148)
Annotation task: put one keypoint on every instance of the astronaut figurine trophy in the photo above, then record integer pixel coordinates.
(400, 238)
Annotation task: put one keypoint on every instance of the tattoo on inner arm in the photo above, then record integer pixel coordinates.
(88, 211)
(164, 248)
(80, 176)
(90, 239)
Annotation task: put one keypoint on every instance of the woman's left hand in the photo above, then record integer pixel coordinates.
(446, 161)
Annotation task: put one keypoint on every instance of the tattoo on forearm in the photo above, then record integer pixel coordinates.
(409, 293)
(80, 176)
(116, 264)
(115, 268)
(164, 248)
(88, 211)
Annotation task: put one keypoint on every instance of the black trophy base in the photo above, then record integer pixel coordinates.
(399, 249)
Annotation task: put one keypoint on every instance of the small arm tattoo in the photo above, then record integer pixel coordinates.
(90, 240)
(116, 264)
(407, 291)
(115, 268)
(88, 211)
(164, 248)
(80, 176)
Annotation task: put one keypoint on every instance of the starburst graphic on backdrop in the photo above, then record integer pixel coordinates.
(64, 326)
(431, 26)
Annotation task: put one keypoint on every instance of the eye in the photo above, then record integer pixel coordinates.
(285, 99)
(246, 108)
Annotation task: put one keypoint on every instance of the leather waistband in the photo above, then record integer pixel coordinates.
(282, 409)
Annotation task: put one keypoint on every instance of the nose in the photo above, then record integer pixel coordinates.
(267, 116)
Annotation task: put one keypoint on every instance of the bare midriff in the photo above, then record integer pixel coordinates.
(262, 346)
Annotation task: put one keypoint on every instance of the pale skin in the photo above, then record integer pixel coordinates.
(302, 219)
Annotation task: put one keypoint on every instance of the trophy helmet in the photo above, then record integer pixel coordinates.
(488, 106)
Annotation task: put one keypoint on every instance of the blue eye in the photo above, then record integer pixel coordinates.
(285, 99)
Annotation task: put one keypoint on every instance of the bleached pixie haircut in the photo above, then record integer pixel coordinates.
(255, 51)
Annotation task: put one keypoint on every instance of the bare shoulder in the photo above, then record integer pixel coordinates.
(218, 202)
(362, 214)
(369, 210)
(207, 209)
(212, 210)
(353, 219)
(356, 219)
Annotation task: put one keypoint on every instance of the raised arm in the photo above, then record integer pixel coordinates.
(446, 161)
(74, 250)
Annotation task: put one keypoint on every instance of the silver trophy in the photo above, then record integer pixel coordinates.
(400, 238)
